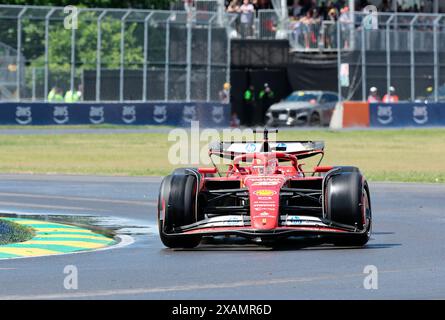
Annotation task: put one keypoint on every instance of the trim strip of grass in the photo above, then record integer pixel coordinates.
(11, 232)
(405, 155)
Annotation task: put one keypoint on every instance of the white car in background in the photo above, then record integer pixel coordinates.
(312, 108)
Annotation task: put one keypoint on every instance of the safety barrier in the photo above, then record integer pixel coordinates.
(174, 114)
(349, 114)
(404, 114)
(407, 114)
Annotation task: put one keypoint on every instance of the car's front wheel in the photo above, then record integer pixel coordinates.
(348, 203)
(176, 208)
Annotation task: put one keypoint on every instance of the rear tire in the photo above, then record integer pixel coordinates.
(176, 208)
(348, 203)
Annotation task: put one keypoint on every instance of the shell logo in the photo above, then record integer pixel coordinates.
(265, 193)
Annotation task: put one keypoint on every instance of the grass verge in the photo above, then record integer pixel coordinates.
(11, 232)
(408, 155)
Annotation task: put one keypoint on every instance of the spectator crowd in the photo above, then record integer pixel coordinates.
(312, 21)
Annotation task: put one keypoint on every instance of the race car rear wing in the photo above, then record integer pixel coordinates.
(301, 149)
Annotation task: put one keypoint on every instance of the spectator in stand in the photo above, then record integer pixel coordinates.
(233, 7)
(346, 26)
(306, 26)
(391, 97)
(373, 95)
(247, 12)
(188, 5)
(315, 28)
(296, 35)
(331, 29)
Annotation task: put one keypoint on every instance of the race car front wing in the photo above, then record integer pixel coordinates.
(289, 225)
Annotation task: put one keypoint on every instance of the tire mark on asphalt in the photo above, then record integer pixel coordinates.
(69, 198)
(43, 206)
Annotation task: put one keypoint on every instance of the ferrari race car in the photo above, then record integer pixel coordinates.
(265, 195)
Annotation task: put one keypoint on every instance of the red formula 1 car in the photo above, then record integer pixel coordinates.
(265, 195)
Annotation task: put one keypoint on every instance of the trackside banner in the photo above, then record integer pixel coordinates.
(174, 114)
(407, 114)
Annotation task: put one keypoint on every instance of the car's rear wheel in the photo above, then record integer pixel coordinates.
(176, 208)
(348, 203)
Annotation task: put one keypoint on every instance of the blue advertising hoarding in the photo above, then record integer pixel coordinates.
(174, 114)
(406, 114)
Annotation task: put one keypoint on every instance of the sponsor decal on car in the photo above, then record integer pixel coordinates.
(265, 193)
(281, 146)
(265, 183)
(300, 220)
(263, 203)
(250, 147)
(265, 198)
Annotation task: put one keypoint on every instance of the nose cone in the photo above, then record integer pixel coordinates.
(264, 202)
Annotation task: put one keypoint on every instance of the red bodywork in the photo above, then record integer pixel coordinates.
(264, 194)
(264, 178)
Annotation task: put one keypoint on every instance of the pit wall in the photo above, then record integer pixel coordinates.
(171, 114)
(351, 114)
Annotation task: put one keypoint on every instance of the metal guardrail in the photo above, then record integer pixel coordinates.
(155, 55)
(402, 50)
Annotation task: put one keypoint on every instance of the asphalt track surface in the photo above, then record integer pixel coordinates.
(407, 247)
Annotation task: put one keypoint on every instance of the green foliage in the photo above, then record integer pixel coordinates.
(140, 4)
(86, 35)
(11, 232)
(33, 38)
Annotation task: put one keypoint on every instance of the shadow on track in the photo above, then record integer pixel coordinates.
(240, 244)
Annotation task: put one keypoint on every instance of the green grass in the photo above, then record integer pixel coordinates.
(11, 232)
(383, 155)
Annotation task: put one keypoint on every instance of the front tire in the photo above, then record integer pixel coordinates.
(348, 203)
(176, 208)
